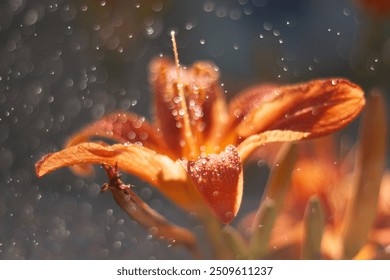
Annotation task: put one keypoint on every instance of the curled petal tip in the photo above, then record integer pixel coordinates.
(38, 167)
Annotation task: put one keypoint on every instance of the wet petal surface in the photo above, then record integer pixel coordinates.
(218, 177)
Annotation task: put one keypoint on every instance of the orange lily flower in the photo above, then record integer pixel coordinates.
(194, 150)
(347, 199)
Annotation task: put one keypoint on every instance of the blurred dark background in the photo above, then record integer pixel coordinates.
(65, 63)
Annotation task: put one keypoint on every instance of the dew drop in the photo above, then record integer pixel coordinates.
(221, 11)
(189, 26)
(267, 26)
(31, 17)
(347, 12)
(248, 11)
(117, 245)
(157, 6)
(235, 14)
(209, 6)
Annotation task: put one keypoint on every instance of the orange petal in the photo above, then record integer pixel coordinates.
(253, 142)
(204, 99)
(318, 107)
(383, 217)
(167, 175)
(122, 127)
(218, 177)
(249, 99)
(242, 104)
(377, 7)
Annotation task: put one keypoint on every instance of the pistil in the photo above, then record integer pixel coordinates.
(188, 135)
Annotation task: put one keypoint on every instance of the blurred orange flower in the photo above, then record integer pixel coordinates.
(351, 193)
(378, 7)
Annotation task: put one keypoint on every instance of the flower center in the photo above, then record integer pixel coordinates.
(188, 135)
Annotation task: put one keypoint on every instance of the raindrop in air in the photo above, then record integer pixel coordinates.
(347, 12)
(267, 26)
(209, 6)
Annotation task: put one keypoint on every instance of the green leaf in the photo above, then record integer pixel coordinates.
(280, 177)
(235, 242)
(313, 229)
(261, 229)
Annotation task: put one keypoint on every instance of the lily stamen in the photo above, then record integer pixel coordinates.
(188, 135)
